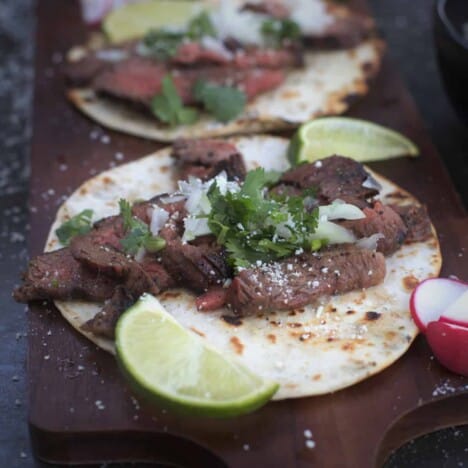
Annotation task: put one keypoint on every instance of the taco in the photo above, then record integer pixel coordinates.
(237, 67)
(317, 302)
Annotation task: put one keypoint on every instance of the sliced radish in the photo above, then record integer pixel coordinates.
(457, 313)
(433, 297)
(449, 343)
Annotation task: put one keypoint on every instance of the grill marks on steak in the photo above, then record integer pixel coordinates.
(333, 177)
(196, 54)
(138, 80)
(416, 220)
(301, 280)
(206, 158)
(110, 262)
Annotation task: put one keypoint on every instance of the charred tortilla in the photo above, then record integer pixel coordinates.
(327, 84)
(310, 351)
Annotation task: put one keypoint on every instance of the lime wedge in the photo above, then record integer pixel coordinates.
(174, 367)
(358, 139)
(136, 19)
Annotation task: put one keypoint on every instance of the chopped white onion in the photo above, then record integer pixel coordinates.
(215, 45)
(172, 198)
(340, 210)
(195, 227)
(370, 243)
(140, 254)
(334, 233)
(311, 15)
(159, 218)
(230, 21)
(112, 55)
(371, 183)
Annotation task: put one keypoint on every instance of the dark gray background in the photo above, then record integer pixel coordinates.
(406, 25)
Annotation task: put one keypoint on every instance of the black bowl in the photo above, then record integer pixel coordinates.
(451, 39)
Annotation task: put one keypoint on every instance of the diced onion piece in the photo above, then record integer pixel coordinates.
(215, 45)
(333, 233)
(112, 55)
(370, 243)
(195, 227)
(159, 218)
(174, 198)
(340, 210)
(371, 183)
(140, 254)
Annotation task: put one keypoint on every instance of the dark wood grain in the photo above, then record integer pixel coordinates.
(357, 426)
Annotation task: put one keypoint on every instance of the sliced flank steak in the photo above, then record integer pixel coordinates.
(300, 280)
(206, 158)
(335, 177)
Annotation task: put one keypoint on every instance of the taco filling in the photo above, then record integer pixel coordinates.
(221, 61)
(252, 241)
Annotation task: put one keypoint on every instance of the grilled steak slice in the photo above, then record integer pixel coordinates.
(138, 80)
(110, 262)
(82, 72)
(384, 220)
(207, 158)
(57, 275)
(300, 280)
(196, 54)
(104, 322)
(195, 267)
(213, 299)
(416, 220)
(333, 177)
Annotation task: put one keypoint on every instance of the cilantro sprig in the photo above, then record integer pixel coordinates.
(162, 44)
(75, 226)
(137, 232)
(168, 107)
(276, 30)
(254, 226)
(223, 102)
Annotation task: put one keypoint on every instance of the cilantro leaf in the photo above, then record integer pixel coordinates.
(223, 102)
(168, 107)
(254, 226)
(162, 44)
(200, 26)
(137, 232)
(77, 225)
(276, 30)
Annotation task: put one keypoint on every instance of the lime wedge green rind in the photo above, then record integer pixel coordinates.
(173, 367)
(136, 19)
(358, 139)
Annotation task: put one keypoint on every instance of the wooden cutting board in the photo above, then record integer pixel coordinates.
(81, 410)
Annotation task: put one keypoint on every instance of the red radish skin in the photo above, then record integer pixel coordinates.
(432, 297)
(449, 343)
(457, 313)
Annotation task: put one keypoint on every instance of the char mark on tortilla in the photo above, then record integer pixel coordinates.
(301, 280)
